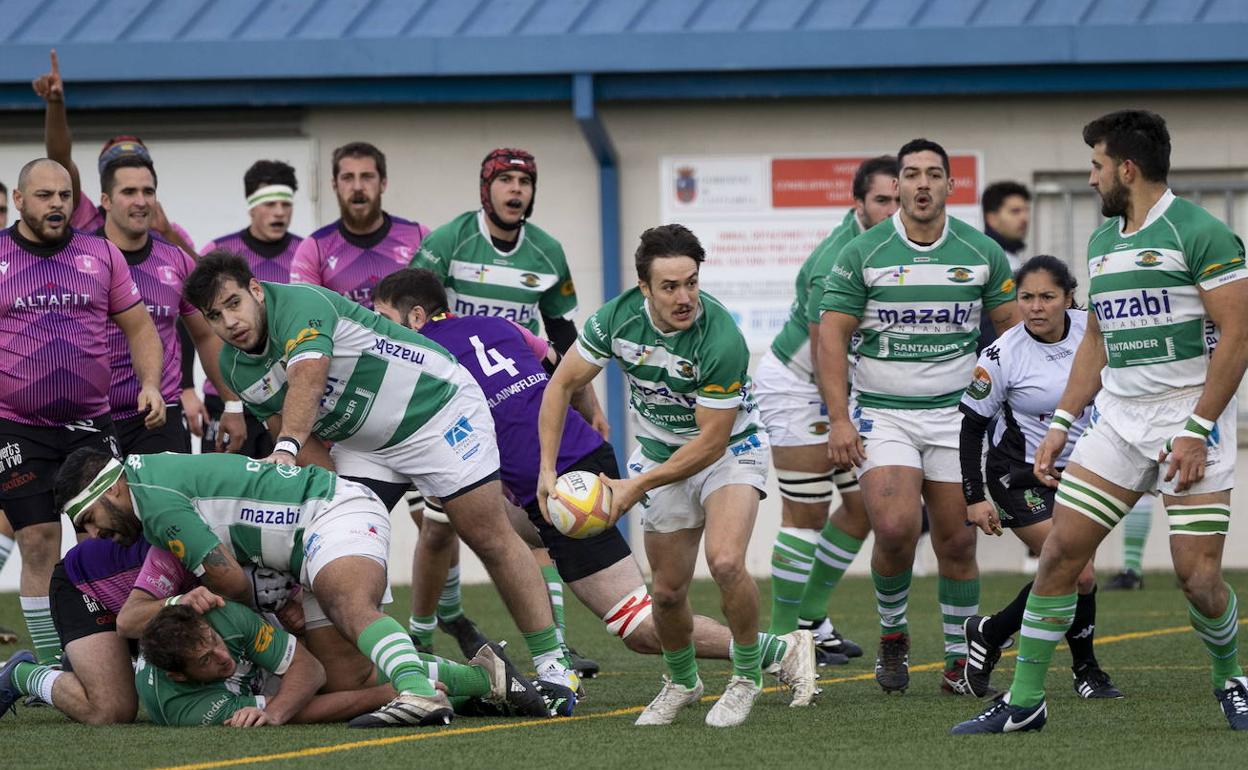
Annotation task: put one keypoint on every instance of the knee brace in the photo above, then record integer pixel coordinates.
(846, 481)
(804, 487)
(624, 617)
(1096, 504)
(1203, 519)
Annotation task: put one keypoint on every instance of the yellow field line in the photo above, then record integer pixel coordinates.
(425, 736)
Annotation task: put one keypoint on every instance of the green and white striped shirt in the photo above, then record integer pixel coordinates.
(1144, 290)
(919, 309)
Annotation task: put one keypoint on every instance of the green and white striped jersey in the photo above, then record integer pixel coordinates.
(1144, 292)
(792, 344)
(530, 280)
(670, 374)
(919, 309)
(385, 381)
(188, 504)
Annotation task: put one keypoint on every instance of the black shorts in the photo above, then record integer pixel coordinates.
(579, 558)
(1020, 497)
(30, 456)
(135, 439)
(259, 442)
(74, 613)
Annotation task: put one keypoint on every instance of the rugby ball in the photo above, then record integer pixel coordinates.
(580, 505)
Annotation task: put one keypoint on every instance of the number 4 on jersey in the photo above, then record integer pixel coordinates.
(491, 361)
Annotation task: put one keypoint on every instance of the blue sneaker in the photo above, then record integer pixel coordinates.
(1001, 717)
(8, 690)
(1234, 701)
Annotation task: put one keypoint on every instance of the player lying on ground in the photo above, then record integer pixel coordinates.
(214, 511)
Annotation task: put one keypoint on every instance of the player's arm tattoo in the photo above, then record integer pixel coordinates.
(217, 558)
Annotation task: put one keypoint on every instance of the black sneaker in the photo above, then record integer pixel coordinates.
(425, 648)
(586, 667)
(409, 710)
(892, 662)
(1234, 701)
(830, 642)
(560, 700)
(507, 685)
(1127, 580)
(981, 656)
(1001, 717)
(467, 635)
(1092, 682)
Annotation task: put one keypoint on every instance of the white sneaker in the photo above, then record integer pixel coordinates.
(733, 707)
(556, 673)
(670, 700)
(797, 669)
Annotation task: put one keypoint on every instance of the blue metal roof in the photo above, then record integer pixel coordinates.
(146, 41)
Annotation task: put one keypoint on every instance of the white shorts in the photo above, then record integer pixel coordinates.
(790, 406)
(680, 505)
(354, 523)
(1125, 436)
(926, 439)
(451, 452)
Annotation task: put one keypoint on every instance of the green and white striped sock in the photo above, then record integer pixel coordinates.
(6, 548)
(37, 611)
(554, 587)
(792, 557)
(1221, 638)
(834, 552)
(421, 628)
(1045, 621)
(451, 602)
(390, 649)
(892, 595)
(1135, 525)
(35, 679)
(959, 599)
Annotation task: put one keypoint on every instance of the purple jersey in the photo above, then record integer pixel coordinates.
(159, 269)
(495, 351)
(108, 571)
(353, 264)
(88, 217)
(269, 260)
(55, 303)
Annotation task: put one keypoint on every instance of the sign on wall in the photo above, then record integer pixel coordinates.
(760, 216)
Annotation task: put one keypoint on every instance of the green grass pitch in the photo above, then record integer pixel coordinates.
(1169, 718)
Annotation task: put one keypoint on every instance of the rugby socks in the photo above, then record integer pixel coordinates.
(421, 629)
(682, 666)
(451, 602)
(771, 649)
(34, 679)
(38, 614)
(1046, 620)
(554, 587)
(1079, 637)
(792, 557)
(1005, 623)
(460, 680)
(6, 548)
(834, 552)
(544, 646)
(959, 599)
(747, 661)
(386, 645)
(1221, 638)
(1136, 524)
(892, 593)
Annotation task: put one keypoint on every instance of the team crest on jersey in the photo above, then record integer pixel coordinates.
(567, 288)
(981, 384)
(1148, 258)
(4, 268)
(686, 184)
(959, 275)
(403, 253)
(167, 275)
(332, 261)
(531, 280)
(87, 263)
(685, 368)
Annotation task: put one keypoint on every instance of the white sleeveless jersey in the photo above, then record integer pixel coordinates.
(1021, 379)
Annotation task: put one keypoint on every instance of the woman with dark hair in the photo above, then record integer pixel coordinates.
(1014, 392)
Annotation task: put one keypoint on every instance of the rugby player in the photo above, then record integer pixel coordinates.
(269, 247)
(333, 535)
(812, 550)
(1164, 352)
(60, 295)
(913, 288)
(701, 463)
(399, 409)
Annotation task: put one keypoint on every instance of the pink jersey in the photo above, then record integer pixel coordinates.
(89, 217)
(55, 303)
(159, 269)
(163, 575)
(353, 264)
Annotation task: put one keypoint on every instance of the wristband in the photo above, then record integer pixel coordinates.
(1199, 425)
(287, 444)
(172, 600)
(1185, 433)
(233, 407)
(1062, 420)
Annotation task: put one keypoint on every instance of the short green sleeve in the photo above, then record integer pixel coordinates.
(843, 288)
(269, 647)
(435, 251)
(303, 324)
(594, 341)
(1215, 255)
(559, 301)
(723, 362)
(1000, 287)
(170, 522)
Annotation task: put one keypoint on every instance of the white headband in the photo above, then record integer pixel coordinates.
(102, 482)
(272, 192)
